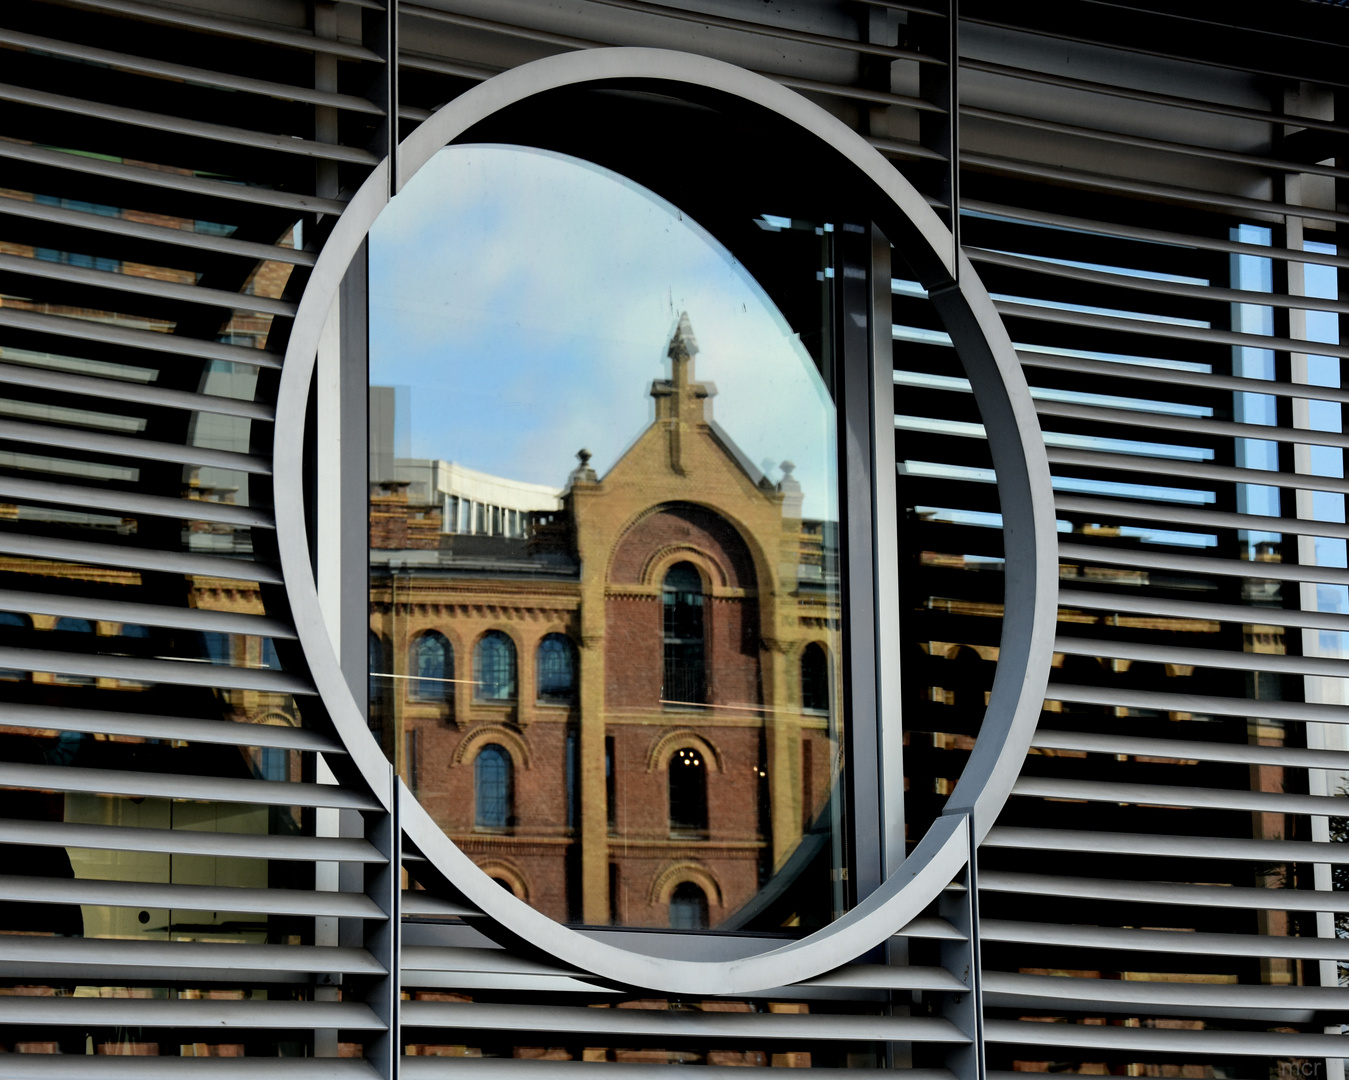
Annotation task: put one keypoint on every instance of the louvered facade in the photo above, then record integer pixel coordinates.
(205, 855)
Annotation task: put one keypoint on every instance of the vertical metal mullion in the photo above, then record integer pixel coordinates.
(385, 42)
(853, 349)
(383, 937)
(941, 132)
(963, 959)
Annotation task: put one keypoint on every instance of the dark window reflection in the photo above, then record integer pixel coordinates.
(815, 678)
(494, 668)
(688, 791)
(492, 787)
(433, 662)
(556, 670)
(688, 907)
(685, 672)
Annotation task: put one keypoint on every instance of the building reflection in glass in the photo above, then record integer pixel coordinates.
(611, 678)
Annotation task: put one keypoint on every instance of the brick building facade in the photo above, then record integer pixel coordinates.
(651, 674)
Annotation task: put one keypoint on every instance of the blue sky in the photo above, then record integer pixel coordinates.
(526, 299)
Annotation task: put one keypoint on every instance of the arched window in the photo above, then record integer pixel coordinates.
(432, 662)
(685, 670)
(815, 678)
(688, 791)
(494, 667)
(688, 907)
(492, 787)
(555, 664)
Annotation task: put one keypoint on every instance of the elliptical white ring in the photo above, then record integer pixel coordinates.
(1023, 480)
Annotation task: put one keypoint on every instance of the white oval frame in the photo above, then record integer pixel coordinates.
(1029, 533)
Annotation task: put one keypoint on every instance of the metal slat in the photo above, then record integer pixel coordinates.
(143, 286)
(204, 619)
(1205, 565)
(1082, 841)
(132, 393)
(1130, 93)
(654, 1024)
(147, 894)
(1190, 425)
(187, 729)
(139, 230)
(431, 1067)
(188, 1013)
(1298, 1004)
(1127, 325)
(197, 129)
(1205, 293)
(1215, 1043)
(171, 672)
(130, 502)
(189, 842)
(155, 785)
(1151, 235)
(1198, 609)
(1185, 942)
(252, 31)
(130, 446)
(105, 333)
(1194, 380)
(1153, 892)
(1167, 795)
(1139, 142)
(1192, 198)
(143, 65)
(97, 1066)
(1199, 703)
(90, 958)
(419, 958)
(192, 185)
(1207, 658)
(1124, 509)
(1097, 742)
(91, 553)
(783, 33)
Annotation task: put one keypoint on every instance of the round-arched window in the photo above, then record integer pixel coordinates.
(555, 670)
(432, 663)
(688, 907)
(493, 787)
(494, 667)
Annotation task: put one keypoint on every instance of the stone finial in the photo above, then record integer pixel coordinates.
(583, 473)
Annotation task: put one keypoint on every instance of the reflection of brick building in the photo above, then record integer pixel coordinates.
(626, 715)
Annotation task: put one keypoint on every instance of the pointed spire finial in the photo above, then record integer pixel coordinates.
(683, 345)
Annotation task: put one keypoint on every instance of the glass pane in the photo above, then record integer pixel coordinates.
(643, 592)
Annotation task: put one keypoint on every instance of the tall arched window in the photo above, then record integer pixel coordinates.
(494, 667)
(688, 791)
(432, 662)
(492, 787)
(685, 680)
(815, 678)
(555, 664)
(688, 907)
